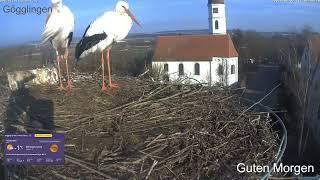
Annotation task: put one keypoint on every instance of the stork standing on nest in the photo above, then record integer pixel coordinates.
(111, 27)
(59, 31)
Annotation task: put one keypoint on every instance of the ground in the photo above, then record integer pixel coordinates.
(144, 130)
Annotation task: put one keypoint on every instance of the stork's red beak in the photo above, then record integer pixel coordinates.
(132, 17)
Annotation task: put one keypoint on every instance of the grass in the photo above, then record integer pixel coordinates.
(127, 58)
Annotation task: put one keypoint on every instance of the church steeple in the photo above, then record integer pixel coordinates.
(217, 17)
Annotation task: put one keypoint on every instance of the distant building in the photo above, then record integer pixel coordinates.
(210, 59)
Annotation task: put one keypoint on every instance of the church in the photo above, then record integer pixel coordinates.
(209, 59)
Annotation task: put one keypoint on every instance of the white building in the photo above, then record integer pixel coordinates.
(210, 59)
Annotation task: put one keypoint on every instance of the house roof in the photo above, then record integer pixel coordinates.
(194, 47)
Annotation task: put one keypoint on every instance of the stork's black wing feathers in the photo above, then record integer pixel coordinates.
(70, 37)
(85, 32)
(88, 42)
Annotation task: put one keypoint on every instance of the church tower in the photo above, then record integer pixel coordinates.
(217, 17)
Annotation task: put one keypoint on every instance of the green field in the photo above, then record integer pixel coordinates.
(127, 58)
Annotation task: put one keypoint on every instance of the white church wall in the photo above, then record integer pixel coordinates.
(215, 77)
(226, 78)
(189, 71)
(233, 78)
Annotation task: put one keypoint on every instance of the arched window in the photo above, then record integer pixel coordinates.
(216, 24)
(220, 70)
(197, 69)
(181, 70)
(233, 69)
(166, 67)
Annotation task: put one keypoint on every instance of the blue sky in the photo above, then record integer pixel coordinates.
(155, 15)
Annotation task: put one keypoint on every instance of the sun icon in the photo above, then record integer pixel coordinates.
(9, 147)
(54, 148)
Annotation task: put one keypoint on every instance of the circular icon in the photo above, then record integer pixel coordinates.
(54, 148)
(9, 147)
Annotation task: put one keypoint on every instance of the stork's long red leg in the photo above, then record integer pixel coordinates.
(109, 71)
(66, 54)
(59, 70)
(104, 88)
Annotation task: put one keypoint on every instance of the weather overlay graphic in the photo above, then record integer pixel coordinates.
(34, 149)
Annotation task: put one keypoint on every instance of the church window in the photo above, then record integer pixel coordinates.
(233, 69)
(215, 10)
(166, 67)
(220, 70)
(197, 69)
(181, 70)
(216, 24)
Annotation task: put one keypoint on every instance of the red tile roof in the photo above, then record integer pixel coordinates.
(194, 47)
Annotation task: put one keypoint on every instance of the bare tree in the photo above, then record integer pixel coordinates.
(300, 77)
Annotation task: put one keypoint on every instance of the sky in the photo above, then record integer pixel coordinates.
(165, 15)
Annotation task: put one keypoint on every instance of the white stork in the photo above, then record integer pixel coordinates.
(111, 27)
(59, 31)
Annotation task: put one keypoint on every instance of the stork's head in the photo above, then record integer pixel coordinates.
(123, 8)
(56, 2)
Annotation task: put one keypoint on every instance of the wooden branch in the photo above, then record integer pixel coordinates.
(61, 176)
(152, 167)
(81, 164)
(258, 102)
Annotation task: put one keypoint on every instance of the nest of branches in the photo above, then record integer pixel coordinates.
(4, 96)
(147, 130)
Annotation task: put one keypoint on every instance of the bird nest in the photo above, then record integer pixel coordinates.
(145, 130)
